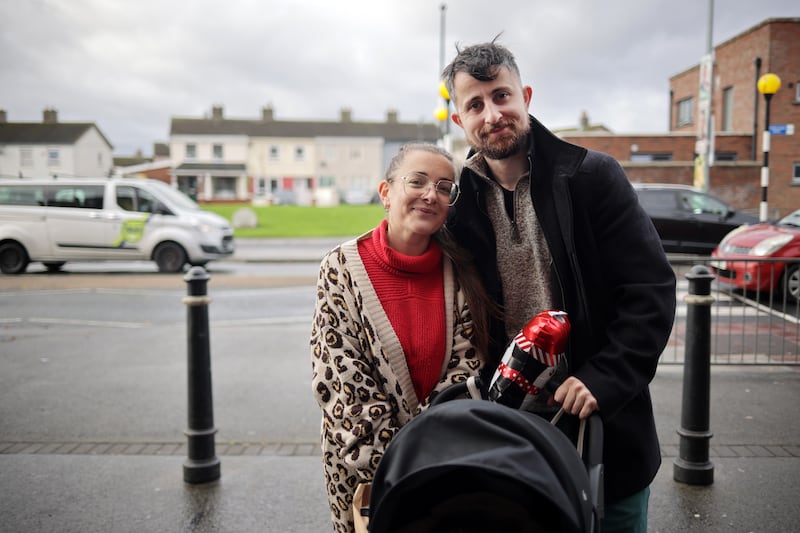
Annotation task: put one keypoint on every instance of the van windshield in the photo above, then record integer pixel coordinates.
(176, 197)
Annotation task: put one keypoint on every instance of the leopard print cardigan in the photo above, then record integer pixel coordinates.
(359, 375)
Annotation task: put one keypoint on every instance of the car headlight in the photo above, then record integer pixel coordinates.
(201, 226)
(770, 245)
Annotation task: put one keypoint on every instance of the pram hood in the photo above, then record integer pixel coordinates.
(464, 447)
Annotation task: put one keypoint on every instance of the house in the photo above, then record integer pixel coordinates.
(737, 109)
(53, 148)
(269, 160)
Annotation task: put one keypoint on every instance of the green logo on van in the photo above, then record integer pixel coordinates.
(132, 231)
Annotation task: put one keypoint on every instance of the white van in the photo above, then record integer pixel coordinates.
(95, 219)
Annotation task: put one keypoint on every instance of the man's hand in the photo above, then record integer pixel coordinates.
(576, 398)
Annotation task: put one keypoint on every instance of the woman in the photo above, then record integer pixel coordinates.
(392, 325)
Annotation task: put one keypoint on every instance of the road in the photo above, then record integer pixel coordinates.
(93, 411)
(63, 344)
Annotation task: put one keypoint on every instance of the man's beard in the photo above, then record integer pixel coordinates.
(505, 147)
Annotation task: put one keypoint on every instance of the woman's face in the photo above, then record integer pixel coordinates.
(415, 210)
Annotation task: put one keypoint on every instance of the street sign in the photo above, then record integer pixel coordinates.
(781, 129)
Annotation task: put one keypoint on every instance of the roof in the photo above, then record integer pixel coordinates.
(394, 131)
(127, 161)
(160, 149)
(45, 133)
(235, 167)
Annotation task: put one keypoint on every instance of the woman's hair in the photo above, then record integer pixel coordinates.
(482, 308)
(401, 154)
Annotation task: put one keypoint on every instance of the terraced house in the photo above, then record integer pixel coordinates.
(265, 160)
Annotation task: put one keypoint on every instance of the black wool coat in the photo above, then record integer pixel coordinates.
(612, 277)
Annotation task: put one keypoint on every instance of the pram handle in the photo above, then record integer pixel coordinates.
(460, 389)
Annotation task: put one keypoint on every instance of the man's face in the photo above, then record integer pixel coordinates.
(493, 114)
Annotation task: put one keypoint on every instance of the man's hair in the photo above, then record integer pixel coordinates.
(481, 61)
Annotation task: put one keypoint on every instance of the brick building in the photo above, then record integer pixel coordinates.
(738, 112)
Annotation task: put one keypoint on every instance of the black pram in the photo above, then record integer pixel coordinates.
(478, 466)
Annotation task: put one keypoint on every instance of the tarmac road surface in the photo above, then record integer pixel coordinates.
(92, 421)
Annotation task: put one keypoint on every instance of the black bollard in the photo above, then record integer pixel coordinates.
(692, 465)
(202, 464)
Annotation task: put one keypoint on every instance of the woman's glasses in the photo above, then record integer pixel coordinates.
(415, 184)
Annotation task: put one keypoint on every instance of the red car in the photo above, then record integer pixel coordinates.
(746, 257)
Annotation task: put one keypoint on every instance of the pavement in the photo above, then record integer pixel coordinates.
(86, 484)
(284, 250)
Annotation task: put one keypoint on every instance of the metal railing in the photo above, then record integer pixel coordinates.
(754, 318)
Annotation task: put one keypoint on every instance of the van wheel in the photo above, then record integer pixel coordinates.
(13, 258)
(170, 257)
(55, 266)
(791, 283)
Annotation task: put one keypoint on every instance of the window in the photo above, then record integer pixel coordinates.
(21, 195)
(653, 200)
(224, 188)
(86, 196)
(796, 173)
(327, 181)
(26, 157)
(725, 156)
(299, 153)
(135, 199)
(686, 111)
(700, 203)
(727, 109)
(191, 151)
(643, 157)
(217, 153)
(797, 92)
(53, 157)
(274, 153)
(261, 186)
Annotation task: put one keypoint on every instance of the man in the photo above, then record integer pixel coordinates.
(555, 226)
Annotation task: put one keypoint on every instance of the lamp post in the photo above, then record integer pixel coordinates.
(768, 84)
(441, 113)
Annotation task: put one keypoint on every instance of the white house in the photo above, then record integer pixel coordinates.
(304, 162)
(52, 148)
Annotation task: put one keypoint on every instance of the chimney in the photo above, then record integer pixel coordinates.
(266, 113)
(391, 116)
(50, 116)
(216, 112)
(584, 121)
(347, 115)
(3, 116)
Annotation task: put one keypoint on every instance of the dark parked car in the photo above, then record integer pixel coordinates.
(687, 219)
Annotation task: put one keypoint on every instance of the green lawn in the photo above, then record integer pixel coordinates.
(302, 221)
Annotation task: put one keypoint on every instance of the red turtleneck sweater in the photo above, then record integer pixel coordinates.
(411, 291)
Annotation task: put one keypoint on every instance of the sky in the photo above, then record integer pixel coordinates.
(131, 66)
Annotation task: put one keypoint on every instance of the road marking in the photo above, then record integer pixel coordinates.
(273, 321)
(264, 321)
(98, 323)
